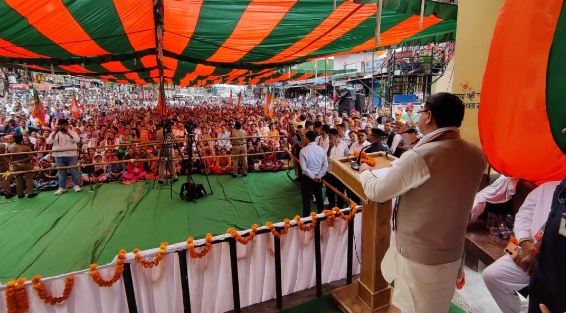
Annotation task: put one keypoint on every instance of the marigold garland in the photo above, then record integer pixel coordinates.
(278, 234)
(347, 218)
(366, 159)
(44, 294)
(330, 217)
(301, 224)
(16, 296)
(158, 257)
(117, 273)
(207, 246)
(243, 240)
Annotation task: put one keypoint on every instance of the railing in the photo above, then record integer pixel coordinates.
(175, 286)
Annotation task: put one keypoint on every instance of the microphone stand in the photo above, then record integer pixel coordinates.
(356, 164)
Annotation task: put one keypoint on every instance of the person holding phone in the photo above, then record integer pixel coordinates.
(63, 138)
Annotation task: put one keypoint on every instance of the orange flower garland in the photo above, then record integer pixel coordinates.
(278, 234)
(16, 296)
(243, 240)
(347, 218)
(158, 257)
(301, 224)
(207, 246)
(44, 294)
(330, 217)
(366, 159)
(117, 273)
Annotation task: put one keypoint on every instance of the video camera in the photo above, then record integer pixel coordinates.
(166, 124)
(190, 126)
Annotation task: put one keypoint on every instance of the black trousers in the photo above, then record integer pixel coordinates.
(538, 294)
(336, 183)
(310, 187)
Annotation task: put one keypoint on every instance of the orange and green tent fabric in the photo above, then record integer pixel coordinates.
(116, 39)
(523, 104)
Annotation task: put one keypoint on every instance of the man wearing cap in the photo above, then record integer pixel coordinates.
(377, 141)
(63, 138)
(435, 183)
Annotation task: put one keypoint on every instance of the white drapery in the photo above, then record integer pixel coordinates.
(210, 278)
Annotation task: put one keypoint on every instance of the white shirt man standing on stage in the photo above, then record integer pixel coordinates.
(64, 138)
(314, 164)
(436, 183)
(510, 274)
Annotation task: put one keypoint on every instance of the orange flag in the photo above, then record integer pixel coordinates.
(230, 99)
(161, 105)
(239, 101)
(38, 111)
(267, 105)
(75, 110)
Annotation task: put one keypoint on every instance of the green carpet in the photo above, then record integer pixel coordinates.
(50, 235)
(326, 305)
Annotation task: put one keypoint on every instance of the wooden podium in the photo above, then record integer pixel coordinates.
(370, 293)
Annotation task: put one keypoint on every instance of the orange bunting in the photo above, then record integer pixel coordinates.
(156, 260)
(207, 246)
(301, 224)
(44, 294)
(117, 273)
(16, 296)
(243, 240)
(278, 234)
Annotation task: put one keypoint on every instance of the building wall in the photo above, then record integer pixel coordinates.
(476, 22)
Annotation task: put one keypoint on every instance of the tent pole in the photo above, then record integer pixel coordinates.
(325, 87)
(422, 14)
(158, 23)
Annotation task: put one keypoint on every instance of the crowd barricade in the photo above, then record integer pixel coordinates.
(80, 151)
(214, 274)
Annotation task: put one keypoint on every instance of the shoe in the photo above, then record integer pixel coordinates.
(298, 179)
(175, 179)
(245, 174)
(59, 191)
(9, 196)
(21, 196)
(33, 194)
(234, 175)
(77, 188)
(160, 182)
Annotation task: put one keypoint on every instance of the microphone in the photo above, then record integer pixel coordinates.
(357, 163)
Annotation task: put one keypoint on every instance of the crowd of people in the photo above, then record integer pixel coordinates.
(116, 129)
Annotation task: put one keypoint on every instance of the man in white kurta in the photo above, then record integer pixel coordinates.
(504, 277)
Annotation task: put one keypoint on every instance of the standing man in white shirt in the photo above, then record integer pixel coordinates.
(360, 144)
(323, 140)
(436, 183)
(509, 273)
(63, 138)
(314, 164)
(337, 150)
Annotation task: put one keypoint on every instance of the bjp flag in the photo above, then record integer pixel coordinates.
(75, 110)
(38, 111)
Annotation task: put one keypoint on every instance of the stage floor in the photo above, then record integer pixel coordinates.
(50, 235)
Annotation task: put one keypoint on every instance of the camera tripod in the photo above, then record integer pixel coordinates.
(166, 155)
(190, 190)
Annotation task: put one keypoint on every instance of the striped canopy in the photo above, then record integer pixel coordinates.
(205, 41)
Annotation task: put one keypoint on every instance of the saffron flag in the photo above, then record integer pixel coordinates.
(267, 108)
(239, 106)
(161, 106)
(75, 110)
(38, 111)
(230, 98)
